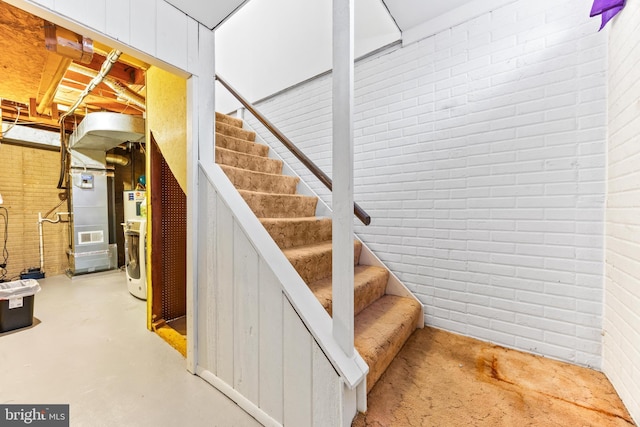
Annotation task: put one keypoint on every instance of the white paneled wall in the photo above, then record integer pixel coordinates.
(622, 296)
(253, 343)
(480, 155)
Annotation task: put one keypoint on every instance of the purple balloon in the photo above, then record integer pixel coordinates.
(607, 9)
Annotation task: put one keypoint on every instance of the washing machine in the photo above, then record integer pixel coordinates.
(135, 256)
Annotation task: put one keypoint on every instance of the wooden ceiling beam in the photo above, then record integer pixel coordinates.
(76, 81)
(54, 70)
(17, 111)
(117, 107)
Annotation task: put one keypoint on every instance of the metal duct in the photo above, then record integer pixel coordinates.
(117, 159)
(67, 43)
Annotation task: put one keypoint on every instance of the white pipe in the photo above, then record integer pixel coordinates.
(40, 221)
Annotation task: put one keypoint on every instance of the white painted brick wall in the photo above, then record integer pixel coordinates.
(480, 155)
(621, 353)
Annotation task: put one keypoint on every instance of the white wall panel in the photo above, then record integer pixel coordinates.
(246, 279)
(45, 3)
(271, 344)
(207, 335)
(118, 20)
(91, 14)
(225, 291)
(298, 374)
(326, 408)
(171, 30)
(142, 30)
(622, 294)
(268, 361)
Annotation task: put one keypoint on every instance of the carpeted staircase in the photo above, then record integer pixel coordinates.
(383, 322)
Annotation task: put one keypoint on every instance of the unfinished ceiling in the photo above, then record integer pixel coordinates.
(39, 85)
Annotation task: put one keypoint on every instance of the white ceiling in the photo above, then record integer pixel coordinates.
(409, 13)
(284, 42)
(209, 13)
(270, 45)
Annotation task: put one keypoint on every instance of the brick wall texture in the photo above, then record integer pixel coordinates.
(622, 298)
(28, 180)
(480, 154)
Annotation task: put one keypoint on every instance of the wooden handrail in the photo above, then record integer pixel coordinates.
(357, 210)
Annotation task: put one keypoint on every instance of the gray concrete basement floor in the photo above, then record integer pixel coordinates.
(89, 348)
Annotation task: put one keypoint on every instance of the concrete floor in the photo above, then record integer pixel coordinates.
(89, 348)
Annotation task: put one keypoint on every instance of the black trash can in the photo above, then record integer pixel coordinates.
(16, 304)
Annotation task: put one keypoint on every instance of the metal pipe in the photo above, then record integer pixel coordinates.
(117, 159)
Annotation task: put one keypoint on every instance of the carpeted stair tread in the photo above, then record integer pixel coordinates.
(314, 262)
(369, 283)
(268, 205)
(381, 330)
(241, 145)
(244, 179)
(233, 121)
(248, 161)
(234, 131)
(290, 232)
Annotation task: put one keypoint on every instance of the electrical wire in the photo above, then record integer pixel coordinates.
(63, 198)
(12, 124)
(5, 252)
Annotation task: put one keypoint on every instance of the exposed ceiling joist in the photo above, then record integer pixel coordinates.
(38, 83)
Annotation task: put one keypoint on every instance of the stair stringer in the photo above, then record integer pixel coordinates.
(263, 339)
(367, 256)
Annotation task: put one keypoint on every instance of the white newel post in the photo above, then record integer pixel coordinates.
(343, 174)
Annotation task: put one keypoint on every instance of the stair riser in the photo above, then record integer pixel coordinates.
(280, 206)
(241, 145)
(246, 161)
(235, 131)
(313, 266)
(288, 234)
(267, 183)
(370, 284)
(232, 121)
(380, 332)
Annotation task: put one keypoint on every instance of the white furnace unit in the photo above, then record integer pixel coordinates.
(90, 248)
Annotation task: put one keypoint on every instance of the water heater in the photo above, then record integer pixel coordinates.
(135, 256)
(132, 204)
